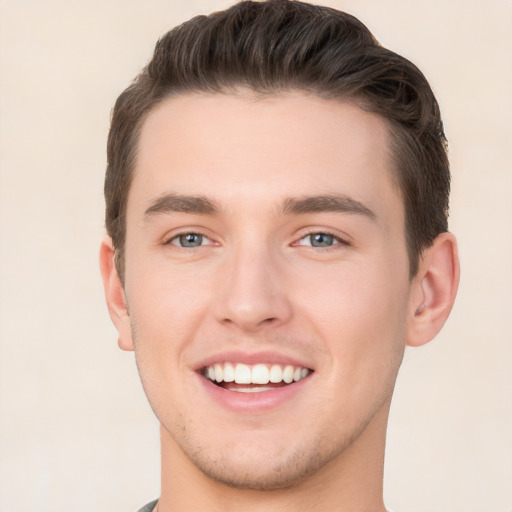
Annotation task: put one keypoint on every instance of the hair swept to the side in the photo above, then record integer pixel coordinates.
(280, 45)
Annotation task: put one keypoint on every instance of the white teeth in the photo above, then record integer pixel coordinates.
(250, 390)
(242, 374)
(258, 374)
(276, 373)
(288, 374)
(229, 373)
(219, 373)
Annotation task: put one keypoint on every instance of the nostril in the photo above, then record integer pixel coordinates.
(249, 323)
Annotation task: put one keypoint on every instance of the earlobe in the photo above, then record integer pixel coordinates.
(434, 290)
(114, 295)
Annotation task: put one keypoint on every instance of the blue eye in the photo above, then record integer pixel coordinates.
(319, 240)
(189, 240)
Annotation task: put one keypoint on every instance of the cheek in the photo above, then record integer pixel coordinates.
(165, 294)
(360, 314)
(166, 307)
(165, 312)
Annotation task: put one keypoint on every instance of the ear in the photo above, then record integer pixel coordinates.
(114, 294)
(433, 291)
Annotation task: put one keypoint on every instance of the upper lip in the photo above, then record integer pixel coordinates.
(251, 358)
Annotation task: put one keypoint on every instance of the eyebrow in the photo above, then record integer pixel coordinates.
(327, 203)
(174, 203)
(202, 205)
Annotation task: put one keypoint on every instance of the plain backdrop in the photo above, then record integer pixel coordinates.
(76, 433)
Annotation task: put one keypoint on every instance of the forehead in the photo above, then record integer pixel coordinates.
(248, 149)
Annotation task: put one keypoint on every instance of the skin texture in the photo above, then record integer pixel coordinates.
(256, 284)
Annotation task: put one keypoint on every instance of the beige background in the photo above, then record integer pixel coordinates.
(75, 431)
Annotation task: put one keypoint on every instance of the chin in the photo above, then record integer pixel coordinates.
(261, 469)
(258, 476)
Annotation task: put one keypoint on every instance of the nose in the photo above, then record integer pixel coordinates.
(252, 293)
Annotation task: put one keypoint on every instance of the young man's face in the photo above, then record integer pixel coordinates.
(266, 233)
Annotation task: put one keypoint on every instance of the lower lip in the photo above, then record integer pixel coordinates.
(253, 402)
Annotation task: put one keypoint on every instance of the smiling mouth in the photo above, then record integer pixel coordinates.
(243, 378)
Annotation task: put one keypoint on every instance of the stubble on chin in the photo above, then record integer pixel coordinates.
(265, 470)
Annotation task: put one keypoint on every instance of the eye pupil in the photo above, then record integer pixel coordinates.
(191, 240)
(321, 240)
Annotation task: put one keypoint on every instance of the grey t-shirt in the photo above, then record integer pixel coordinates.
(149, 507)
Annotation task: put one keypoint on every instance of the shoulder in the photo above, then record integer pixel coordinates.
(149, 507)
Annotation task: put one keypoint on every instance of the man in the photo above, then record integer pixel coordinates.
(277, 196)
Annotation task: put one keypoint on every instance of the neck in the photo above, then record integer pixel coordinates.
(350, 482)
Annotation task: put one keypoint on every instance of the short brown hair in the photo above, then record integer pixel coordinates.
(279, 45)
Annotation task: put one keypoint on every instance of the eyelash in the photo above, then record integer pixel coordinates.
(339, 241)
(187, 233)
